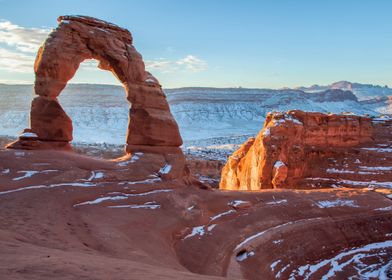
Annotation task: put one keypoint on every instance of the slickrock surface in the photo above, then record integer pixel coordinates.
(296, 145)
(76, 39)
(67, 216)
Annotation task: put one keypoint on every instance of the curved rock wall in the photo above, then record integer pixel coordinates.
(278, 156)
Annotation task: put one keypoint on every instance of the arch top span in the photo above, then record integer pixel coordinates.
(151, 125)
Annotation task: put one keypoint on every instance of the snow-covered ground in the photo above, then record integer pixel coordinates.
(211, 120)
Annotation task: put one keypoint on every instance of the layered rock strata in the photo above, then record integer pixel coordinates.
(280, 154)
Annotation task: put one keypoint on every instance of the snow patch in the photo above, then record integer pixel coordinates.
(279, 164)
(377, 168)
(28, 135)
(5, 171)
(243, 256)
(148, 205)
(101, 199)
(274, 264)
(72, 184)
(166, 169)
(30, 173)
(336, 203)
(222, 214)
(388, 208)
(134, 158)
(277, 202)
(339, 171)
(379, 150)
(236, 203)
(95, 175)
(350, 258)
(259, 234)
(199, 230)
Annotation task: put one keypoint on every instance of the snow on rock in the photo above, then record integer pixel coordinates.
(19, 154)
(350, 258)
(30, 173)
(379, 150)
(147, 181)
(95, 175)
(121, 196)
(5, 171)
(377, 168)
(279, 164)
(239, 204)
(244, 255)
(70, 184)
(274, 264)
(388, 208)
(267, 132)
(281, 201)
(354, 183)
(148, 205)
(165, 169)
(336, 203)
(28, 135)
(101, 199)
(199, 230)
(339, 171)
(211, 227)
(260, 234)
(213, 218)
(135, 157)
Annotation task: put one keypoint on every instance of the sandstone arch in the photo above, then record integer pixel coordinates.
(151, 125)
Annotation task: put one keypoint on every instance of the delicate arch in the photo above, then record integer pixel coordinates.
(76, 39)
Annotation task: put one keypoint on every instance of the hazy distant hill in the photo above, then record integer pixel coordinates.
(100, 112)
(361, 91)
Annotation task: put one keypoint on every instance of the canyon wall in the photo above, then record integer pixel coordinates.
(278, 157)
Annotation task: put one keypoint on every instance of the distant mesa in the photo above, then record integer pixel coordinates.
(280, 154)
(76, 39)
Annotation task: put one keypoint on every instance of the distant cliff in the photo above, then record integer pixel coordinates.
(278, 156)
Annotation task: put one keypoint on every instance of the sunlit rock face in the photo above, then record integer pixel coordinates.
(281, 153)
(76, 39)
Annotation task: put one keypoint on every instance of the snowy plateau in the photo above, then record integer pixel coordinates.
(211, 120)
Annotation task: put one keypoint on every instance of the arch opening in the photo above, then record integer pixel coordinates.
(96, 103)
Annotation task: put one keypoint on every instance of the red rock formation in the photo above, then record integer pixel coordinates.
(76, 39)
(279, 156)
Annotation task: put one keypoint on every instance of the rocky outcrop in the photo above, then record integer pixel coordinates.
(279, 156)
(77, 38)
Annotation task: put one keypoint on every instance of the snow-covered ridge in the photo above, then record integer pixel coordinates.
(100, 112)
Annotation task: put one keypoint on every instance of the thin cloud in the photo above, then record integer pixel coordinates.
(19, 45)
(190, 63)
(21, 38)
(14, 61)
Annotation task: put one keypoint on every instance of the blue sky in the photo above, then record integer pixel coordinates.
(225, 43)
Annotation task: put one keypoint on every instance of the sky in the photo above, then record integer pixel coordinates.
(219, 43)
